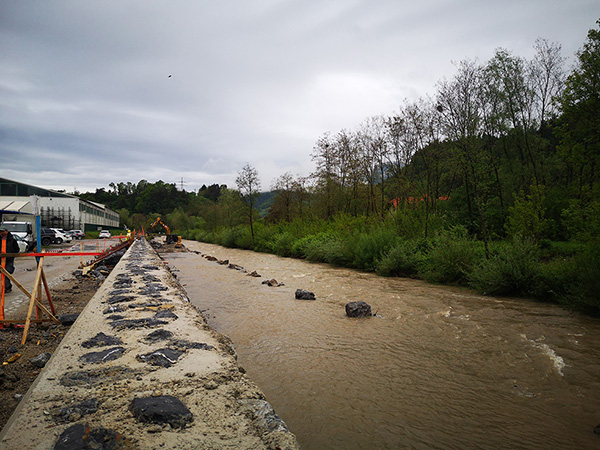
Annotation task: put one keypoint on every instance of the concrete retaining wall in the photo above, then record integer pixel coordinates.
(140, 368)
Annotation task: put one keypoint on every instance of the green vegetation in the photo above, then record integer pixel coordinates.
(492, 183)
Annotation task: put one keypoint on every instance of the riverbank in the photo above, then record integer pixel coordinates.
(139, 346)
(565, 273)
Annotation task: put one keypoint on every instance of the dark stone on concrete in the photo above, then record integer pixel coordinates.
(273, 282)
(41, 359)
(115, 317)
(113, 309)
(160, 410)
(235, 267)
(110, 354)
(151, 278)
(159, 335)
(102, 340)
(163, 357)
(358, 309)
(301, 294)
(194, 345)
(93, 377)
(137, 323)
(73, 413)
(254, 274)
(83, 437)
(165, 314)
(119, 292)
(210, 258)
(120, 299)
(263, 416)
(68, 319)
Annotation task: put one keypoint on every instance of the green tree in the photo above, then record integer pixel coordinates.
(526, 218)
(248, 184)
(580, 122)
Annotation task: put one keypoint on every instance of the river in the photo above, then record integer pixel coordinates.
(438, 367)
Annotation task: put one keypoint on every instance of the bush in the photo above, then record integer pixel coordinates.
(371, 246)
(451, 258)
(514, 270)
(284, 244)
(327, 247)
(239, 237)
(585, 293)
(402, 260)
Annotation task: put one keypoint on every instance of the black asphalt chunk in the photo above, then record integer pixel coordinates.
(119, 292)
(163, 357)
(68, 319)
(150, 267)
(83, 437)
(151, 278)
(120, 299)
(153, 304)
(160, 410)
(114, 309)
(165, 314)
(102, 340)
(110, 354)
(94, 377)
(115, 317)
(73, 413)
(137, 323)
(195, 345)
(41, 360)
(159, 335)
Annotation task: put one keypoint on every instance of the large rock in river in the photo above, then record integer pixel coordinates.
(302, 294)
(358, 309)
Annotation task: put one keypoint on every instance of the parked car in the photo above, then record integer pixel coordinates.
(104, 234)
(78, 234)
(47, 236)
(22, 243)
(61, 235)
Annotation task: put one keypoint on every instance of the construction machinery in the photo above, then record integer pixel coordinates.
(170, 238)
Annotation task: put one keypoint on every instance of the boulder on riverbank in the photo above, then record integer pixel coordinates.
(358, 309)
(302, 294)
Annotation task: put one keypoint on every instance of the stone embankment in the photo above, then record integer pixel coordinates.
(141, 369)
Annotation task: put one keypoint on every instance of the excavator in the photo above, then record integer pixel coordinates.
(170, 238)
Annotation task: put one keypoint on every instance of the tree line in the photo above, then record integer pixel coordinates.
(503, 151)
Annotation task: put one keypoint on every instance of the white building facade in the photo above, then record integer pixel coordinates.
(56, 209)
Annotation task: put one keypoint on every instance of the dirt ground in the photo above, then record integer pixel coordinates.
(70, 296)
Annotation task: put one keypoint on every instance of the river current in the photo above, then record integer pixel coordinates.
(438, 367)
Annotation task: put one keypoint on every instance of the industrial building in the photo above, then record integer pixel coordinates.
(56, 209)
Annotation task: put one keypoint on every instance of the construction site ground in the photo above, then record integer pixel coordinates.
(69, 295)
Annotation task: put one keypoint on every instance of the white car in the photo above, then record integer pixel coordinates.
(104, 234)
(77, 234)
(61, 236)
(22, 243)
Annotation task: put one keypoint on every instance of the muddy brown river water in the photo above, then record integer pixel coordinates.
(438, 368)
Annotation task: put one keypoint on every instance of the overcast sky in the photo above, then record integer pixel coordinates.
(93, 92)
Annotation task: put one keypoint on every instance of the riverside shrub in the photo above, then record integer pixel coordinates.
(514, 269)
(451, 258)
(402, 260)
(371, 246)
